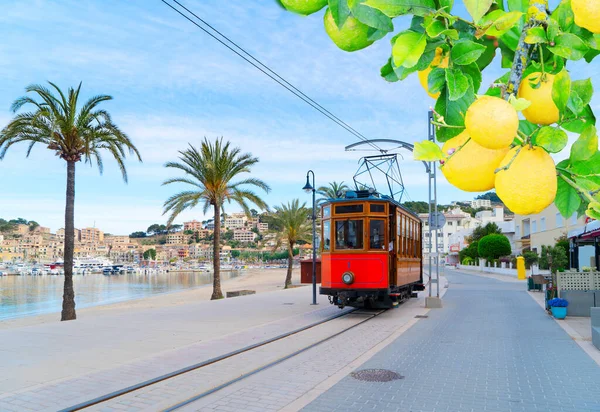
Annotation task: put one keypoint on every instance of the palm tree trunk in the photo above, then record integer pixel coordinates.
(288, 278)
(68, 308)
(217, 293)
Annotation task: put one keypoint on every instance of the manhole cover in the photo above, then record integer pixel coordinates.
(376, 375)
(288, 303)
(421, 316)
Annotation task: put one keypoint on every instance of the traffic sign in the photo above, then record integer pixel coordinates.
(437, 220)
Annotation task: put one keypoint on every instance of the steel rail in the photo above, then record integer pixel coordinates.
(267, 366)
(149, 382)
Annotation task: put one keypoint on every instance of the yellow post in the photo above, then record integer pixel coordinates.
(521, 268)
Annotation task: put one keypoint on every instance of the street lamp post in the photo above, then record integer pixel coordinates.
(311, 188)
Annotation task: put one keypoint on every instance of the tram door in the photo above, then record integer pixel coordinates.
(392, 236)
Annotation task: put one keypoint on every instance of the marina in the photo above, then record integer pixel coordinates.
(34, 295)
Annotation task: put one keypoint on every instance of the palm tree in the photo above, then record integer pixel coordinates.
(291, 224)
(333, 191)
(210, 171)
(73, 133)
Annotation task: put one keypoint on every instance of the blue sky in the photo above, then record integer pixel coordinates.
(172, 84)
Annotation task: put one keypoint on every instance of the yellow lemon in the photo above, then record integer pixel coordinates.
(528, 185)
(492, 122)
(587, 14)
(471, 167)
(542, 109)
(351, 37)
(304, 7)
(424, 74)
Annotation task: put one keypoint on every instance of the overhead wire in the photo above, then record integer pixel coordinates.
(249, 58)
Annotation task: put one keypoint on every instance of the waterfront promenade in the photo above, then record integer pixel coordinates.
(491, 348)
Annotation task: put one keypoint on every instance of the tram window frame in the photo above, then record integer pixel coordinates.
(361, 237)
(342, 205)
(377, 212)
(326, 246)
(326, 211)
(382, 234)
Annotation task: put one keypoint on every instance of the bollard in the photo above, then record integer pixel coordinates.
(521, 268)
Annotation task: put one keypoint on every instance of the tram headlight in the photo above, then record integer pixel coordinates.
(348, 278)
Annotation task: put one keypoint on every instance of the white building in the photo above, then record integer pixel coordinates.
(244, 235)
(533, 231)
(477, 203)
(456, 221)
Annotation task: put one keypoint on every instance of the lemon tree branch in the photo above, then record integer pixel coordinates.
(575, 186)
(536, 15)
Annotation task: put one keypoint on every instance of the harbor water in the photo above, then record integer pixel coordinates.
(34, 295)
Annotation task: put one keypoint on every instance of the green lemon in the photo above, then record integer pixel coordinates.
(304, 7)
(351, 37)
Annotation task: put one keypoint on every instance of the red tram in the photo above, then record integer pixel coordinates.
(371, 251)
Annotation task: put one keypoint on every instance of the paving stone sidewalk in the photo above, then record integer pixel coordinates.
(490, 349)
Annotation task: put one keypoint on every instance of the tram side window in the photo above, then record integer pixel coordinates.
(348, 234)
(326, 235)
(376, 234)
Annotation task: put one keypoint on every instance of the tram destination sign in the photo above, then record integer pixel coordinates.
(437, 220)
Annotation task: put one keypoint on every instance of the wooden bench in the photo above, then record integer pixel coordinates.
(236, 293)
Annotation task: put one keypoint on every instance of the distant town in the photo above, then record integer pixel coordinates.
(248, 237)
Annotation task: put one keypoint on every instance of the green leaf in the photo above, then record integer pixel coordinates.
(436, 81)
(563, 15)
(518, 5)
(527, 127)
(587, 172)
(511, 39)
(578, 123)
(473, 72)
(457, 84)
(488, 55)
(561, 89)
(425, 60)
(453, 113)
(593, 210)
(575, 104)
(553, 30)
(466, 52)
(370, 16)
(536, 35)
(585, 146)
(502, 22)
(477, 8)
(519, 104)
(584, 90)
(567, 199)
(553, 139)
(339, 11)
(433, 26)
(408, 48)
(427, 151)
(446, 5)
(569, 46)
(388, 73)
(374, 34)
(395, 8)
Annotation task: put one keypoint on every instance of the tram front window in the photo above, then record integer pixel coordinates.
(348, 234)
(376, 234)
(326, 235)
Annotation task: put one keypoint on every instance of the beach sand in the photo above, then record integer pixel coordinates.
(259, 280)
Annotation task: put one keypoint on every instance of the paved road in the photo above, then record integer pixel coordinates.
(490, 349)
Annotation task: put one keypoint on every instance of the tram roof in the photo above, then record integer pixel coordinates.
(365, 195)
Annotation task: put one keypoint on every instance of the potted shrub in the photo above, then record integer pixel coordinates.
(558, 307)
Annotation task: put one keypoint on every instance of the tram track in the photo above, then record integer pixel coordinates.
(132, 389)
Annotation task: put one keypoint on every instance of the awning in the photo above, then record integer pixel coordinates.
(590, 230)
